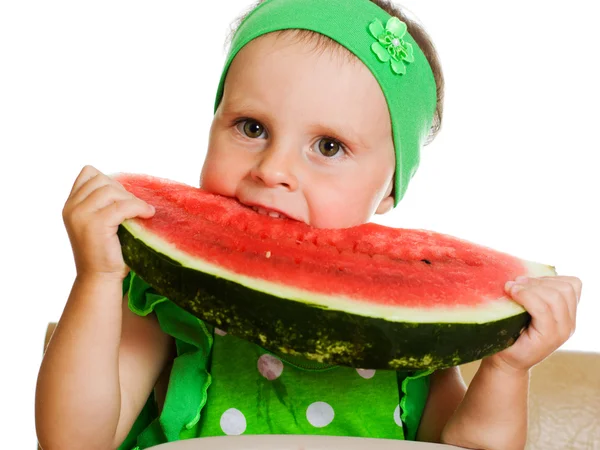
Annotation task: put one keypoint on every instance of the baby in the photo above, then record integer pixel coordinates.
(321, 113)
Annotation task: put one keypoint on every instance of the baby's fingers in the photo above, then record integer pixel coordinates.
(115, 213)
(574, 282)
(93, 184)
(549, 312)
(102, 197)
(87, 173)
(88, 213)
(562, 286)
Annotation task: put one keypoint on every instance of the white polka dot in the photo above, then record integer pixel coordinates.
(220, 332)
(233, 422)
(366, 373)
(269, 366)
(397, 416)
(319, 414)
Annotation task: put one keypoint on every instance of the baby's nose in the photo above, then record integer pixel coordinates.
(276, 167)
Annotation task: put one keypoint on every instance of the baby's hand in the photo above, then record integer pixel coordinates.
(552, 304)
(92, 214)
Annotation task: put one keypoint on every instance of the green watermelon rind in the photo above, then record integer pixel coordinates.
(304, 326)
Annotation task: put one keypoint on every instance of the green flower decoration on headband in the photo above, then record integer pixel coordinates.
(390, 46)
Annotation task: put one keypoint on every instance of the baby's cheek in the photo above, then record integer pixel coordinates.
(216, 177)
(339, 211)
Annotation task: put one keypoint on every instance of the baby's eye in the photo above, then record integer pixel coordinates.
(329, 147)
(251, 128)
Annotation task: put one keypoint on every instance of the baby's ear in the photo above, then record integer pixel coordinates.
(387, 203)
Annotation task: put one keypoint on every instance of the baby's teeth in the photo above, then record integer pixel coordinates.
(265, 212)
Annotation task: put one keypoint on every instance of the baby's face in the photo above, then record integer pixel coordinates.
(301, 133)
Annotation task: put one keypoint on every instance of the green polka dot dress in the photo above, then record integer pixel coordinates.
(221, 385)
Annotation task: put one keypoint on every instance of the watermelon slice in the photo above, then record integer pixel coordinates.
(368, 296)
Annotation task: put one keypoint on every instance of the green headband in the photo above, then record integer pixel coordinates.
(381, 42)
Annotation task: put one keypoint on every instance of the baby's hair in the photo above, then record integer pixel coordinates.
(323, 43)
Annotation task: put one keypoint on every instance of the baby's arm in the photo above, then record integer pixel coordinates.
(493, 413)
(103, 361)
(446, 391)
(96, 373)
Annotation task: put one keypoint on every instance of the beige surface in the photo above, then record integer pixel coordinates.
(564, 410)
(564, 401)
(289, 442)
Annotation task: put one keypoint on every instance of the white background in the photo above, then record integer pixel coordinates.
(129, 86)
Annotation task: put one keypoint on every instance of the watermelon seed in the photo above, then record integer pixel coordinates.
(268, 254)
(426, 261)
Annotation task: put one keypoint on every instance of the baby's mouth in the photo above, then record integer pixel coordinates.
(270, 213)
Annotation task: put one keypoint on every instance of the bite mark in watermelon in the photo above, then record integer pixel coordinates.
(368, 296)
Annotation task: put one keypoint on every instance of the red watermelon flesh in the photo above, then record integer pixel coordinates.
(368, 269)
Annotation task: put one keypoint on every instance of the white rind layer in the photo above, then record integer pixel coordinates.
(491, 310)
